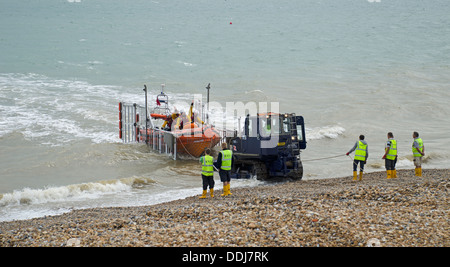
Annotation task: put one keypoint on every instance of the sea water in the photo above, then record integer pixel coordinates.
(349, 67)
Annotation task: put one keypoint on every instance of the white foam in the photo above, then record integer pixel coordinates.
(404, 163)
(53, 111)
(26, 214)
(126, 192)
(93, 190)
(318, 133)
(187, 64)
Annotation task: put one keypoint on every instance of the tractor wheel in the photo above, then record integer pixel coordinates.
(260, 170)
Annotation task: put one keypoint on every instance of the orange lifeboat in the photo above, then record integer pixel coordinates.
(191, 141)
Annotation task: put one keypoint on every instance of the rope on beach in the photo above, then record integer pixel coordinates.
(350, 157)
(303, 160)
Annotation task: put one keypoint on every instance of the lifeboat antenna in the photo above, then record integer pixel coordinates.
(146, 115)
(207, 103)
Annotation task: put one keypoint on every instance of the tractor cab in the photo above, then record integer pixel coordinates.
(272, 142)
(270, 132)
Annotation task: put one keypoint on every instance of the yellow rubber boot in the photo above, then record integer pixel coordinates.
(394, 174)
(203, 195)
(389, 174)
(225, 191)
(419, 171)
(360, 176)
(355, 176)
(211, 192)
(229, 190)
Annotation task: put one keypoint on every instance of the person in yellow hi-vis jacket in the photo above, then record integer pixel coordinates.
(418, 150)
(224, 163)
(167, 125)
(207, 173)
(193, 115)
(361, 154)
(390, 156)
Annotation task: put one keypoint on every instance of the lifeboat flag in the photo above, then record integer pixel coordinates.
(157, 102)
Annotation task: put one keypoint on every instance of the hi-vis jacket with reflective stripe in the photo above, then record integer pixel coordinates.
(419, 143)
(392, 146)
(364, 146)
(226, 160)
(207, 165)
(361, 151)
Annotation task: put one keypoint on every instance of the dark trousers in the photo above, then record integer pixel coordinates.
(390, 164)
(225, 176)
(208, 181)
(361, 165)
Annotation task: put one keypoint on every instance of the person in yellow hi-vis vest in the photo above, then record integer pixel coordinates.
(390, 156)
(418, 150)
(224, 163)
(361, 154)
(207, 173)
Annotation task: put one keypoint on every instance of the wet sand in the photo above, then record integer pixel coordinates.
(406, 211)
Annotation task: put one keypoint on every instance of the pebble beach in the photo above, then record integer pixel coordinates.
(406, 211)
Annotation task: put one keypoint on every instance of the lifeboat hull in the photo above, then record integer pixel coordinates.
(191, 141)
(195, 144)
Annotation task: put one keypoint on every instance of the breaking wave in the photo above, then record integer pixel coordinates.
(93, 190)
(407, 161)
(318, 133)
(54, 111)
